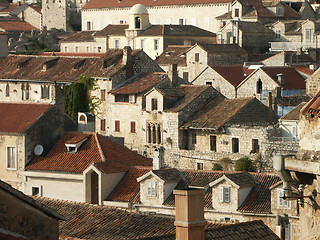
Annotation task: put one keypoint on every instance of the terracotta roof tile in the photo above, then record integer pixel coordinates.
(130, 3)
(141, 83)
(113, 158)
(83, 36)
(113, 30)
(173, 54)
(176, 30)
(312, 107)
(7, 8)
(17, 117)
(292, 79)
(253, 27)
(222, 48)
(304, 69)
(16, 26)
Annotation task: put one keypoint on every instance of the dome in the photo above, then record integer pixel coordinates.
(138, 9)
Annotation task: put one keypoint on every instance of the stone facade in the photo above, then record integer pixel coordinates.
(313, 83)
(30, 15)
(4, 45)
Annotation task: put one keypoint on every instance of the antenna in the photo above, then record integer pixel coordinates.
(38, 150)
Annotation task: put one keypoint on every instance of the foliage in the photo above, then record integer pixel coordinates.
(217, 166)
(225, 163)
(244, 164)
(78, 99)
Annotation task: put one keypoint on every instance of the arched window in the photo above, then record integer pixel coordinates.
(259, 86)
(82, 118)
(137, 22)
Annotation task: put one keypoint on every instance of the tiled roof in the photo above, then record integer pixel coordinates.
(106, 155)
(233, 74)
(82, 36)
(16, 26)
(64, 69)
(176, 30)
(216, 114)
(242, 179)
(17, 117)
(253, 27)
(292, 79)
(289, 12)
(141, 83)
(312, 108)
(70, 54)
(294, 113)
(170, 174)
(173, 54)
(304, 69)
(222, 48)
(128, 187)
(130, 3)
(113, 30)
(8, 7)
(86, 221)
(28, 200)
(242, 231)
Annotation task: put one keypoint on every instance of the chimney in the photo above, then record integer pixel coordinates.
(173, 75)
(190, 223)
(280, 78)
(158, 158)
(128, 61)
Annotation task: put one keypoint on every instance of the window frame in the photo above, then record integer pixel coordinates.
(117, 125)
(197, 57)
(156, 44)
(117, 43)
(185, 76)
(154, 104)
(235, 145)
(225, 194)
(132, 127)
(102, 124)
(213, 147)
(14, 162)
(103, 95)
(193, 138)
(152, 188)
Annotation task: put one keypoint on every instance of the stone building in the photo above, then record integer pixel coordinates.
(24, 218)
(96, 15)
(32, 14)
(228, 196)
(138, 34)
(23, 128)
(313, 84)
(88, 166)
(3, 44)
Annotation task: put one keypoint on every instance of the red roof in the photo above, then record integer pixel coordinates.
(69, 54)
(312, 107)
(36, 8)
(107, 156)
(16, 26)
(130, 3)
(292, 79)
(304, 69)
(233, 74)
(8, 7)
(17, 117)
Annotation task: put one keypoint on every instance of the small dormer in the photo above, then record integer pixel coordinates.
(279, 10)
(75, 143)
(154, 101)
(231, 190)
(48, 64)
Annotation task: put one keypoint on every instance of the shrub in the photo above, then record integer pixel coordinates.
(225, 163)
(244, 164)
(217, 166)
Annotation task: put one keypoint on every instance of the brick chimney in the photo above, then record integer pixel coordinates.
(173, 75)
(190, 223)
(128, 61)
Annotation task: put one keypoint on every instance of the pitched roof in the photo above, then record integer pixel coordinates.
(253, 27)
(173, 54)
(129, 4)
(222, 48)
(64, 68)
(112, 29)
(8, 7)
(312, 107)
(15, 25)
(82, 36)
(106, 155)
(292, 79)
(217, 113)
(233, 74)
(304, 69)
(30, 201)
(141, 83)
(294, 113)
(18, 117)
(242, 179)
(176, 30)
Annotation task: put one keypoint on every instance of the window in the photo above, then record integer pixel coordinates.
(236, 12)
(77, 49)
(199, 166)
(103, 125)
(154, 104)
(25, 91)
(137, 22)
(209, 83)
(152, 189)
(89, 25)
(142, 43)
(132, 127)
(99, 49)
(122, 21)
(196, 57)
(66, 49)
(255, 146)
(182, 21)
(235, 145)
(279, 11)
(259, 86)
(122, 98)
(11, 157)
(7, 90)
(213, 143)
(103, 94)
(193, 138)
(154, 133)
(308, 35)
(44, 92)
(117, 126)
(225, 194)
(35, 191)
(278, 34)
(116, 43)
(282, 203)
(156, 44)
(88, 49)
(186, 76)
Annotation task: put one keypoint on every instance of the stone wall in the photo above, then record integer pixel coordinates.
(313, 83)
(3, 45)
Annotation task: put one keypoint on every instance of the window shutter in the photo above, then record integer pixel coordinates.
(226, 196)
(133, 127)
(221, 194)
(149, 188)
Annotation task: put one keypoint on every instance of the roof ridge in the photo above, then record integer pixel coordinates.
(99, 148)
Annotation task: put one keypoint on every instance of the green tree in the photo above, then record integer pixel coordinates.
(244, 164)
(217, 166)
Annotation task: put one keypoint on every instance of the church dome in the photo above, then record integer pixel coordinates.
(138, 9)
